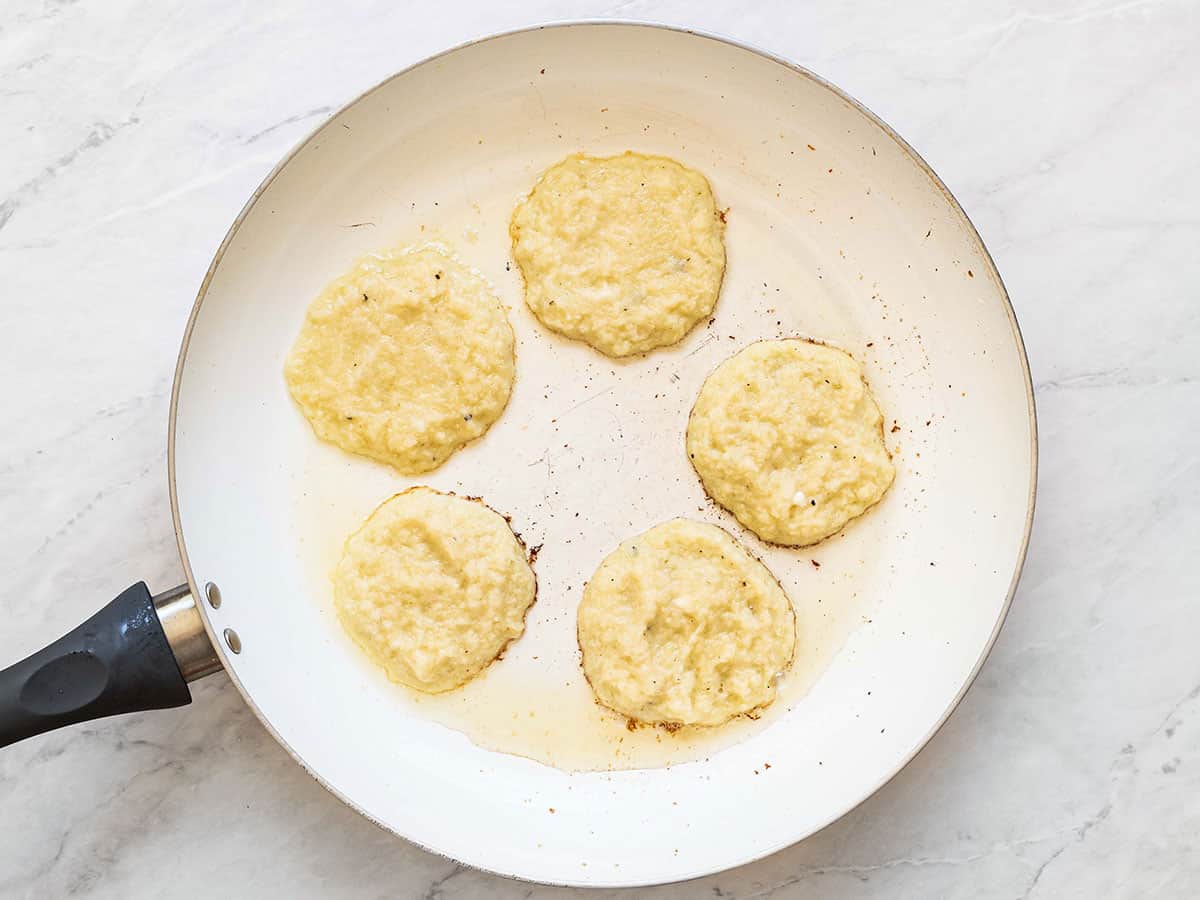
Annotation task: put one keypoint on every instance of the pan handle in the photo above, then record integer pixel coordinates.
(138, 652)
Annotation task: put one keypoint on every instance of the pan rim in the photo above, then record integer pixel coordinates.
(794, 68)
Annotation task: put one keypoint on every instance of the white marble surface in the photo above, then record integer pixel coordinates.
(132, 133)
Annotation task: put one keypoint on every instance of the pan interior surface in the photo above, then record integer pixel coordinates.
(835, 231)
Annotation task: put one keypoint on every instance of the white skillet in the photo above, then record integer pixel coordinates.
(836, 230)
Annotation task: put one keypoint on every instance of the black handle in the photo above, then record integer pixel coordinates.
(118, 661)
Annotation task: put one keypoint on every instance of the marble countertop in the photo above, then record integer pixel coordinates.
(133, 132)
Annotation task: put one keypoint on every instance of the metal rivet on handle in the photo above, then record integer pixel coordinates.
(232, 639)
(214, 595)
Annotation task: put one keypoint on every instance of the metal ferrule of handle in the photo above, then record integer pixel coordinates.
(184, 630)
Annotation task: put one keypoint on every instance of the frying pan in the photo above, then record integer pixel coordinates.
(836, 230)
